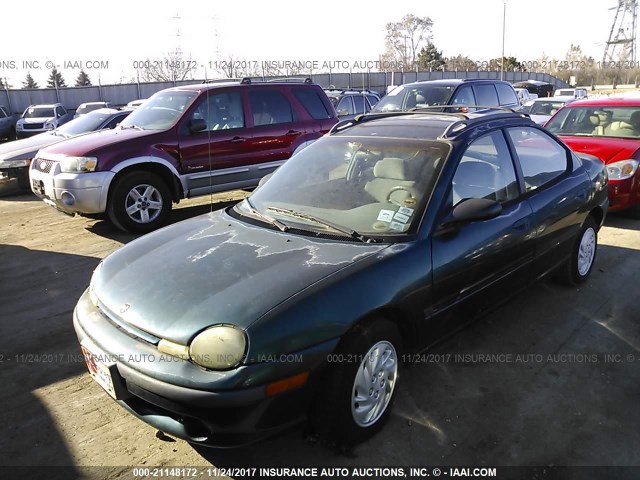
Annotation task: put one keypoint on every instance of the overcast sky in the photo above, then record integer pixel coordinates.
(121, 32)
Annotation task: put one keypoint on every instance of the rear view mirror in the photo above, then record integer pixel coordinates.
(197, 125)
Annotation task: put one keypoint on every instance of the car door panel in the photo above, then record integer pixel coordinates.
(475, 263)
(557, 189)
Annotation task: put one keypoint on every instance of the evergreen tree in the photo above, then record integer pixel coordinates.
(55, 79)
(30, 82)
(83, 80)
(430, 58)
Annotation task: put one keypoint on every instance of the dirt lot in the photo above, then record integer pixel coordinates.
(564, 391)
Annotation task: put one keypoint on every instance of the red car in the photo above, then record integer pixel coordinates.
(608, 128)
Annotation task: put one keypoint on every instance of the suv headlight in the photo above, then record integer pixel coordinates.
(622, 170)
(78, 164)
(221, 347)
(50, 124)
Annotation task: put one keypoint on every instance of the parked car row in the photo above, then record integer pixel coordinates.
(16, 157)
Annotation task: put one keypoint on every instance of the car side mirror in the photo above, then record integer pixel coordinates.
(264, 179)
(472, 210)
(197, 125)
(342, 112)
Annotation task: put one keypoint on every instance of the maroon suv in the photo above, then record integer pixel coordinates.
(181, 143)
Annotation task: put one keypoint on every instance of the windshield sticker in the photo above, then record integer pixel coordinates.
(401, 217)
(397, 226)
(385, 215)
(405, 211)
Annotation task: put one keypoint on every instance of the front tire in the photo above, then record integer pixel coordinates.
(579, 265)
(358, 389)
(139, 202)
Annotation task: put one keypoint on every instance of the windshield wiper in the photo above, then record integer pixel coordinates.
(338, 228)
(271, 221)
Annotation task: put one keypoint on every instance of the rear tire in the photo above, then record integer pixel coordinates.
(139, 202)
(579, 265)
(358, 388)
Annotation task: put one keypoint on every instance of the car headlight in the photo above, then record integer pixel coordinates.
(19, 125)
(92, 295)
(50, 124)
(78, 164)
(218, 348)
(622, 169)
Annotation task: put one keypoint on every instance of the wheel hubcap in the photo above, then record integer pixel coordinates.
(587, 251)
(374, 383)
(143, 203)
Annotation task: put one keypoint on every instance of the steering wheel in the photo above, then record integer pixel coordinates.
(397, 188)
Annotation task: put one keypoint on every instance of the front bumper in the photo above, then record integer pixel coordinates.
(624, 194)
(213, 408)
(71, 193)
(31, 132)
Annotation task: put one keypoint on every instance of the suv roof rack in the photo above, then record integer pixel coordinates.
(249, 80)
(222, 80)
(454, 128)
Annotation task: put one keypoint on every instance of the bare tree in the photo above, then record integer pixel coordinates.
(405, 39)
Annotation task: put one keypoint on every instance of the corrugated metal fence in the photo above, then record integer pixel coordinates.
(121, 94)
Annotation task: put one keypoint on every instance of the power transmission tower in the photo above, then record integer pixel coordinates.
(621, 46)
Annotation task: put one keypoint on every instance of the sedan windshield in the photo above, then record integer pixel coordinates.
(545, 107)
(160, 111)
(83, 124)
(366, 186)
(618, 122)
(89, 108)
(406, 97)
(39, 113)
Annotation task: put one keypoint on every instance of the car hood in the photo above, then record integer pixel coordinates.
(97, 142)
(36, 119)
(27, 148)
(213, 269)
(607, 149)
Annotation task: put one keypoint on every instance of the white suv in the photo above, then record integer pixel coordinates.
(41, 118)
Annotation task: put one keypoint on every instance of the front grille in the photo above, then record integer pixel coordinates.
(32, 126)
(43, 165)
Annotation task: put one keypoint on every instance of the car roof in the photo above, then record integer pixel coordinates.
(455, 81)
(556, 98)
(199, 87)
(608, 102)
(107, 111)
(425, 125)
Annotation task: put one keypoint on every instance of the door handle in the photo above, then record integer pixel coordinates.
(294, 132)
(238, 139)
(582, 195)
(522, 225)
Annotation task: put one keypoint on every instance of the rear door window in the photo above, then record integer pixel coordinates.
(270, 107)
(486, 95)
(345, 106)
(312, 103)
(541, 158)
(506, 94)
